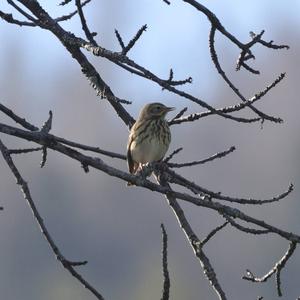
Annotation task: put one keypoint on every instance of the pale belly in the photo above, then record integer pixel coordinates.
(148, 151)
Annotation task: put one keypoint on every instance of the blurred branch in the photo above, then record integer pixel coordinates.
(22, 151)
(166, 287)
(17, 119)
(46, 129)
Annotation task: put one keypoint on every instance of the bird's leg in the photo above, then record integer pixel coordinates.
(145, 170)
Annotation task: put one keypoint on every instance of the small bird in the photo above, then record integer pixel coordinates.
(149, 137)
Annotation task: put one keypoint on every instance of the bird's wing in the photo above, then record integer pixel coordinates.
(130, 162)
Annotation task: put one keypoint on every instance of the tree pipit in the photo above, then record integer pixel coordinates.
(149, 138)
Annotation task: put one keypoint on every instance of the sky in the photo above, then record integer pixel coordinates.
(96, 217)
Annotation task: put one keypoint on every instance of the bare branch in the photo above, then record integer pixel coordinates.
(179, 115)
(234, 108)
(17, 119)
(21, 151)
(170, 80)
(231, 85)
(72, 14)
(27, 195)
(166, 287)
(276, 269)
(212, 234)
(85, 28)
(48, 124)
(193, 239)
(97, 163)
(46, 129)
(124, 61)
(65, 2)
(134, 39)
(120, 40)
(167, 159)
(203, 161)
(10, 19)
(243, 228)
(196, 189)
(22, 12)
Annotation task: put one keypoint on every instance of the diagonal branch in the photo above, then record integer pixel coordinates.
(85, 28)
(203, 161)
(17, 119)
(27, 195)
(193, 240)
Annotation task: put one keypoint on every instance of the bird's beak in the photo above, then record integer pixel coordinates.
(167, 109)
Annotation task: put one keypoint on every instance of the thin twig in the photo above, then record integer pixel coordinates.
(10, 19)
(120, 40)
(216, 62)
(124, 62)
(65, 2)
(21, 151)
(168, 158)
(179, 115)
(46, 129)
(243, 228)
(196, 189)
(23, 12)
(17, 119)
(72, 14)
(85, 28)
(32, 127)
(233, 108)
(212, 234)
(203, 161)
(134, 40)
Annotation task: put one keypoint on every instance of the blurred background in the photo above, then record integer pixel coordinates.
(97, 218)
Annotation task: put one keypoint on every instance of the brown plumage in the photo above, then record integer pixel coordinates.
(150, 136)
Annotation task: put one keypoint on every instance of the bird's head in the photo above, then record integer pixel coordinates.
(155, 110)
